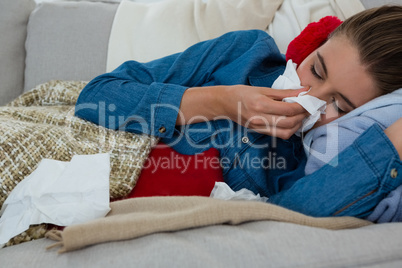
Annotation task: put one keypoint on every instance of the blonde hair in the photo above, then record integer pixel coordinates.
(377, 34)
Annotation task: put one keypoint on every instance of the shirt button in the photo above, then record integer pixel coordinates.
(245, 140)
(162, 130)
(394, 173)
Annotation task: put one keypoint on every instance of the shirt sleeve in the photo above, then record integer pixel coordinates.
(145, 97)
(329, 140)
(352, 183)
(135, 97)
(117, 101)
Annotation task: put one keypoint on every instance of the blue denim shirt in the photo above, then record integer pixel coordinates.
(145, 98)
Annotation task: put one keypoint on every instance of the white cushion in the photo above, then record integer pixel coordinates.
(144, 32)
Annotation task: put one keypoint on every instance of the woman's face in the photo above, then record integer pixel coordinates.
(334, 74)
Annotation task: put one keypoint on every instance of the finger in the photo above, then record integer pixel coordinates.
(275, 122)
(288, 122)
(285, 133)
(278, 132)
(284, 108)
(271, 122)
(284, 93)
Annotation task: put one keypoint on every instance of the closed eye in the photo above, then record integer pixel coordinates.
(314, 72)
(336, 107)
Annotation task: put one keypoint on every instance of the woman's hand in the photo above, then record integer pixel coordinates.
(394, 134)
(263, 110)
(257, 108)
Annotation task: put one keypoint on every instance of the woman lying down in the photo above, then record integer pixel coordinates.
(218, 94)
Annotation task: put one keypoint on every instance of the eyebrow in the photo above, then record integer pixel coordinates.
(324, 67)
(347, 101)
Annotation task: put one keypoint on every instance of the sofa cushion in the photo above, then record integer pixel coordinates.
(376, 3)
(254, 244)
(67, 40)
(13, 19)
(146, 32)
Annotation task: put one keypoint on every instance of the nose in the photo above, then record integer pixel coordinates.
(321, 92)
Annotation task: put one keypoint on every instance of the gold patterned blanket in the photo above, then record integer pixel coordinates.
(41, 124)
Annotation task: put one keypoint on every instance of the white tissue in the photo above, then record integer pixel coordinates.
(60, 193)
(289, 79)
(222, 191)
(313, 105)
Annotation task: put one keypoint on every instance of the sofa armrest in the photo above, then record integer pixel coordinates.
(13, 27)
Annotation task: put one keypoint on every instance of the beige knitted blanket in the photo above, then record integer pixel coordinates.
(137, 217)
(41, 124)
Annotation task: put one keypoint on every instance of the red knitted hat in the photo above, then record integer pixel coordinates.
(313, 36)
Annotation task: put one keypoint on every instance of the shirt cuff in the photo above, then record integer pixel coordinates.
(165, 111)
(381, 156)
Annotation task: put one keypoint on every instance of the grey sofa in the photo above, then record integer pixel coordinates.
(68, 40)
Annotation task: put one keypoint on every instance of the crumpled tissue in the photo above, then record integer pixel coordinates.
(222, 191)
(313, 105)
(60, 193)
